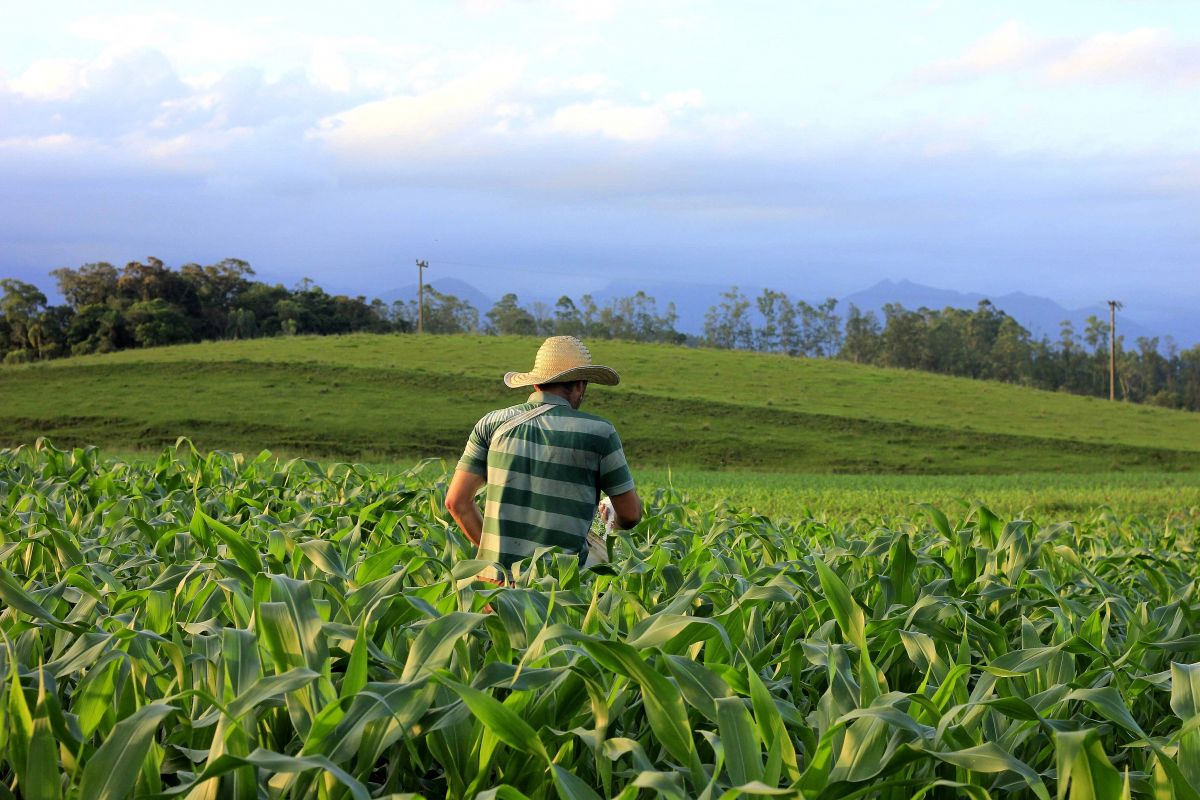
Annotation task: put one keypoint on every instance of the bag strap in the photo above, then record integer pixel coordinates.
(521, 419)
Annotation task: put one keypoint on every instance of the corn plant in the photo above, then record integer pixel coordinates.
(221, 626)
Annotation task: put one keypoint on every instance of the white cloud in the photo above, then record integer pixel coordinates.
(678, 101)
(327, 68)
(189, 39)
(1144, 54)
(590, 11)
(591, 82)
(55, 143)
(625, 122)
(1012, 45)
(614, 121)
(401, 122)
(49, 79)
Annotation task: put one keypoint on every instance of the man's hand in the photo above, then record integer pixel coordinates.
(460, 502)
(624, 510)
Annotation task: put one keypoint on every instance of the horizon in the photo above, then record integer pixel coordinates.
(986, 151)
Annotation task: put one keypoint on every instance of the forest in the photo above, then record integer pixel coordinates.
(148, 304)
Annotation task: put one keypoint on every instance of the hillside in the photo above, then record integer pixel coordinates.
(386, 397)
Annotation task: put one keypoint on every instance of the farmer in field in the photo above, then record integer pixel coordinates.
(545, 464)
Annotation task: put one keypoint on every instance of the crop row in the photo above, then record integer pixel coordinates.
(211, 625)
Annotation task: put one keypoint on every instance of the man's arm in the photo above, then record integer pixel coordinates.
(460, 502)
(627, 507)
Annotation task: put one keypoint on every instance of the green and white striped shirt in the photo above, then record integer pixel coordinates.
(544, 477)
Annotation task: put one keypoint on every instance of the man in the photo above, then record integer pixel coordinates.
(545, 464)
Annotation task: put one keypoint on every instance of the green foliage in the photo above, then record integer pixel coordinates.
(150, 305)
(216, 625)
(982, 343)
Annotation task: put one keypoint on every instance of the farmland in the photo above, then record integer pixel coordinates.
(996, 597)
(205, 624)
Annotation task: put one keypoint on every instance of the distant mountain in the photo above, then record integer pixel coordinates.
(460, 289)
(692, 301)
(1041, 316)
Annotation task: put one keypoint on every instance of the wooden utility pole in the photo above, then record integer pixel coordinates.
(1113, 305)
(421, 267)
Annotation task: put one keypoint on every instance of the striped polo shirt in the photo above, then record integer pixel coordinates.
(544, 477)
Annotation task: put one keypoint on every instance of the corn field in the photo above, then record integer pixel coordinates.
(220, 626)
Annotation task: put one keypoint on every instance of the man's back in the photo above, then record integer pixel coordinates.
(544, 476)
(544, 463)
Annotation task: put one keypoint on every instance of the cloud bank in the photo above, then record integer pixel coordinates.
(339, 155)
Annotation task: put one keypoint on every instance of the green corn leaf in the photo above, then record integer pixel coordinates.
(20, 730)
(42, 779)
(270, 687)
(434, 644)
(1108, 702)
(1185, 702)
(277, 763)
(111, 772)
(846, 611)
(743, 757)
(570, 787)
(664, 706)
(245, 555)
(507, 726)
(1185, 690)
(990, 757)
(1084, 771)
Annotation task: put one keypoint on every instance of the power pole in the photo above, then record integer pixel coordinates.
(1113, 305)
(421, 267)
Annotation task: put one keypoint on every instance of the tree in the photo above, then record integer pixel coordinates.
(904, 340)
(22, 304)
(216, 289)
(543, 317)
(1095, 333)
(262, 300)
(241, 324)
(863, 337)
(770, 304)
(507, 318)
(445, 313)
(156, 322)
(153, 280)
(728, 323)
(827, 328)
(91, 284)
(567, 319)
(98, 328)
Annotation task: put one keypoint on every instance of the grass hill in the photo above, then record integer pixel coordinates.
(393, 397)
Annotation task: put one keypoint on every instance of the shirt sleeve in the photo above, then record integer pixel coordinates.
(615, 477)
(474, 457)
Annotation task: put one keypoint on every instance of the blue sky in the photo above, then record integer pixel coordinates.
(816, 147)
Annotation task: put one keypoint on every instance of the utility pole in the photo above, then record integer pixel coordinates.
(1113, 305)
(421, 267)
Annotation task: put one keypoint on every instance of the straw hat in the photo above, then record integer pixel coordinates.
(563, 358)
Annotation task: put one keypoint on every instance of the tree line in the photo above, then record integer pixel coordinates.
(148, 304)
(983, 342)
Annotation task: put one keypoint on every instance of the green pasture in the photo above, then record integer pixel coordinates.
(400, 398)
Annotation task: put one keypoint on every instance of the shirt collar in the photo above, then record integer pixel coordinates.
(546, 397)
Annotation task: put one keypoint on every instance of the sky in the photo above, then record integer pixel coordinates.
(560, 146)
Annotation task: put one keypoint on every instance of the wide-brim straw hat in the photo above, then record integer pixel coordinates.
(563, 359)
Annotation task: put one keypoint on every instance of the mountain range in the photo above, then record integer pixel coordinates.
(1041, 316)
